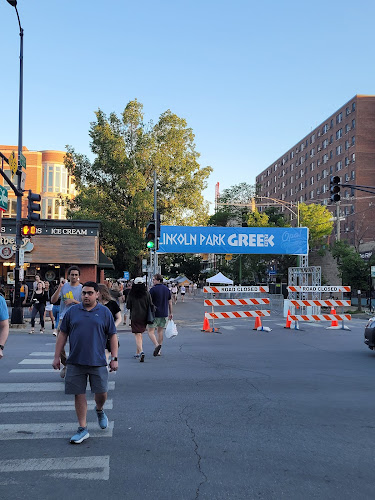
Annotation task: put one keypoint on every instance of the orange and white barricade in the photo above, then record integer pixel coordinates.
(332, 303)
(257, 313)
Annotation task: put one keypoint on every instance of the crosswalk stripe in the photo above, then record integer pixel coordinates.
(36, 362)
(54, 430)
(33, 370)
(42, 354)
(39, 386)
(47, 406)
(54, 467)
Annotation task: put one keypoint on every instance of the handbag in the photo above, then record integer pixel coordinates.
(150, 314)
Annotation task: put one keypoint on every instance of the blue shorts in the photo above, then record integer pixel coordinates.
(76, 379)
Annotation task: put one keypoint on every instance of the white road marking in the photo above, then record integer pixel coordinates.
(39, 387)
(95, 467)
(33, 370)
(50, 431)
(47, 406)
(42, 354)
(36, 362)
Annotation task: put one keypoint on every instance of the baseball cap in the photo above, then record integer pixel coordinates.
(137, 281)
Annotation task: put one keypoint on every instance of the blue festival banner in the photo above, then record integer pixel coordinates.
(235, 240)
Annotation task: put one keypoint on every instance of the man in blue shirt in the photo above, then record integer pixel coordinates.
(4, 324)
(162, 299)
(87, 324)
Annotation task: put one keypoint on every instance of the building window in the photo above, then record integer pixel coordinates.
(339, 118)
(311, 195)
(353, 174)
(311, 181)
(331, 139)
(353, 106)
(339, 133)
(353, 123)
(347, 128)
(331, 169)
(12, 208)
(339, 150)
(346, 161)
(353, 157)
(338, 166)
(353, 140)
(347, 111)
(346, 145)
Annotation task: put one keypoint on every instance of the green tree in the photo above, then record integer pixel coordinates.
(354, 271)
(175, 264)
(319, 221)
(117, 187)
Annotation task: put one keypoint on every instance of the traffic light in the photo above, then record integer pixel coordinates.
(150, 235)
(33, 207)
(28, 230)
(335, 188)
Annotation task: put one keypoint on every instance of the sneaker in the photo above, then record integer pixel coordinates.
(54, 333)
(42, 330)
(102, 419)
(157, 350)
(142, 357)
(136, 356)
(63, 372)
(32, 330)
(80, 436)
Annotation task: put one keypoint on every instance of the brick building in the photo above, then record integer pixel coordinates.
(45, 174)
(343, 145)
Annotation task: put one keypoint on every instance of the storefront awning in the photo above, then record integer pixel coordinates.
(105, 262)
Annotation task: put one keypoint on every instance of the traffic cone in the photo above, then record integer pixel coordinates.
(288, 320)
(334, 321)
(258, 323)
(206, 325)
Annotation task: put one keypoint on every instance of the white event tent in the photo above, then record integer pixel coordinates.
(219, 278)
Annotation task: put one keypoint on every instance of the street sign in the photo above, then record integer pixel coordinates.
(13, 163)
(228, 256)
(327, 288)
(372, 271)
(22, 257)
(3, 199)
(236, 288)
(22, 161)
(21, 274)
(126, 275)
(144, 265)
(23, 180)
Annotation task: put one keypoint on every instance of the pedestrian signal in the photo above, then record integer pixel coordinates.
(28, 230)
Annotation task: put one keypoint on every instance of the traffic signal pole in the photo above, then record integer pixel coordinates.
(156, 227)
(17, 311)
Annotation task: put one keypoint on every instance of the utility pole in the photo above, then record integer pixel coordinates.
(337, 221)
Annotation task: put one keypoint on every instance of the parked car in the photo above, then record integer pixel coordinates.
(370, 333)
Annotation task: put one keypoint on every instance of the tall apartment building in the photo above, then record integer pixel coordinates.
(343, 145)
(45, 174)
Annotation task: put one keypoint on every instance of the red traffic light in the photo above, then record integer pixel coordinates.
(28, 230)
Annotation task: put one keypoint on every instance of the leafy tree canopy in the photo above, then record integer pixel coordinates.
(319, 221)
(354, 271)
(117, 187)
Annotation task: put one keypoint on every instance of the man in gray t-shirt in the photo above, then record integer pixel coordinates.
(69, 293)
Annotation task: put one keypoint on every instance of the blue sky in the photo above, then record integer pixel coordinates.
(251, 78)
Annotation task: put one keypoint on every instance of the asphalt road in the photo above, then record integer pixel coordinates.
(239, 414)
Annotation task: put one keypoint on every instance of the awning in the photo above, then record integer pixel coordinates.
(104, 261)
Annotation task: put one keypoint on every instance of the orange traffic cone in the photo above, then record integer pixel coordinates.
(258, 323)
(288, 320)
(334, 322)
(206, 325)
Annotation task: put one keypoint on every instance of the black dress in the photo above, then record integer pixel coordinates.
(114, 308)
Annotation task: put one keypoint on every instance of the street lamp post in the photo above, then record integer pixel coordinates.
(17, 313)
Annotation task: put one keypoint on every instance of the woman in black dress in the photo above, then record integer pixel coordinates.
(138, 301)
(106, 299)
(38, 300)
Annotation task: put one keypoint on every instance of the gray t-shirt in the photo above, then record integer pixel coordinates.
(69, 292)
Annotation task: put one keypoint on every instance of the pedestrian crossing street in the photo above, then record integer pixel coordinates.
(62, 467)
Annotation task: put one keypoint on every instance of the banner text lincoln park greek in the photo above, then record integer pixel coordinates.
(245, 240)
